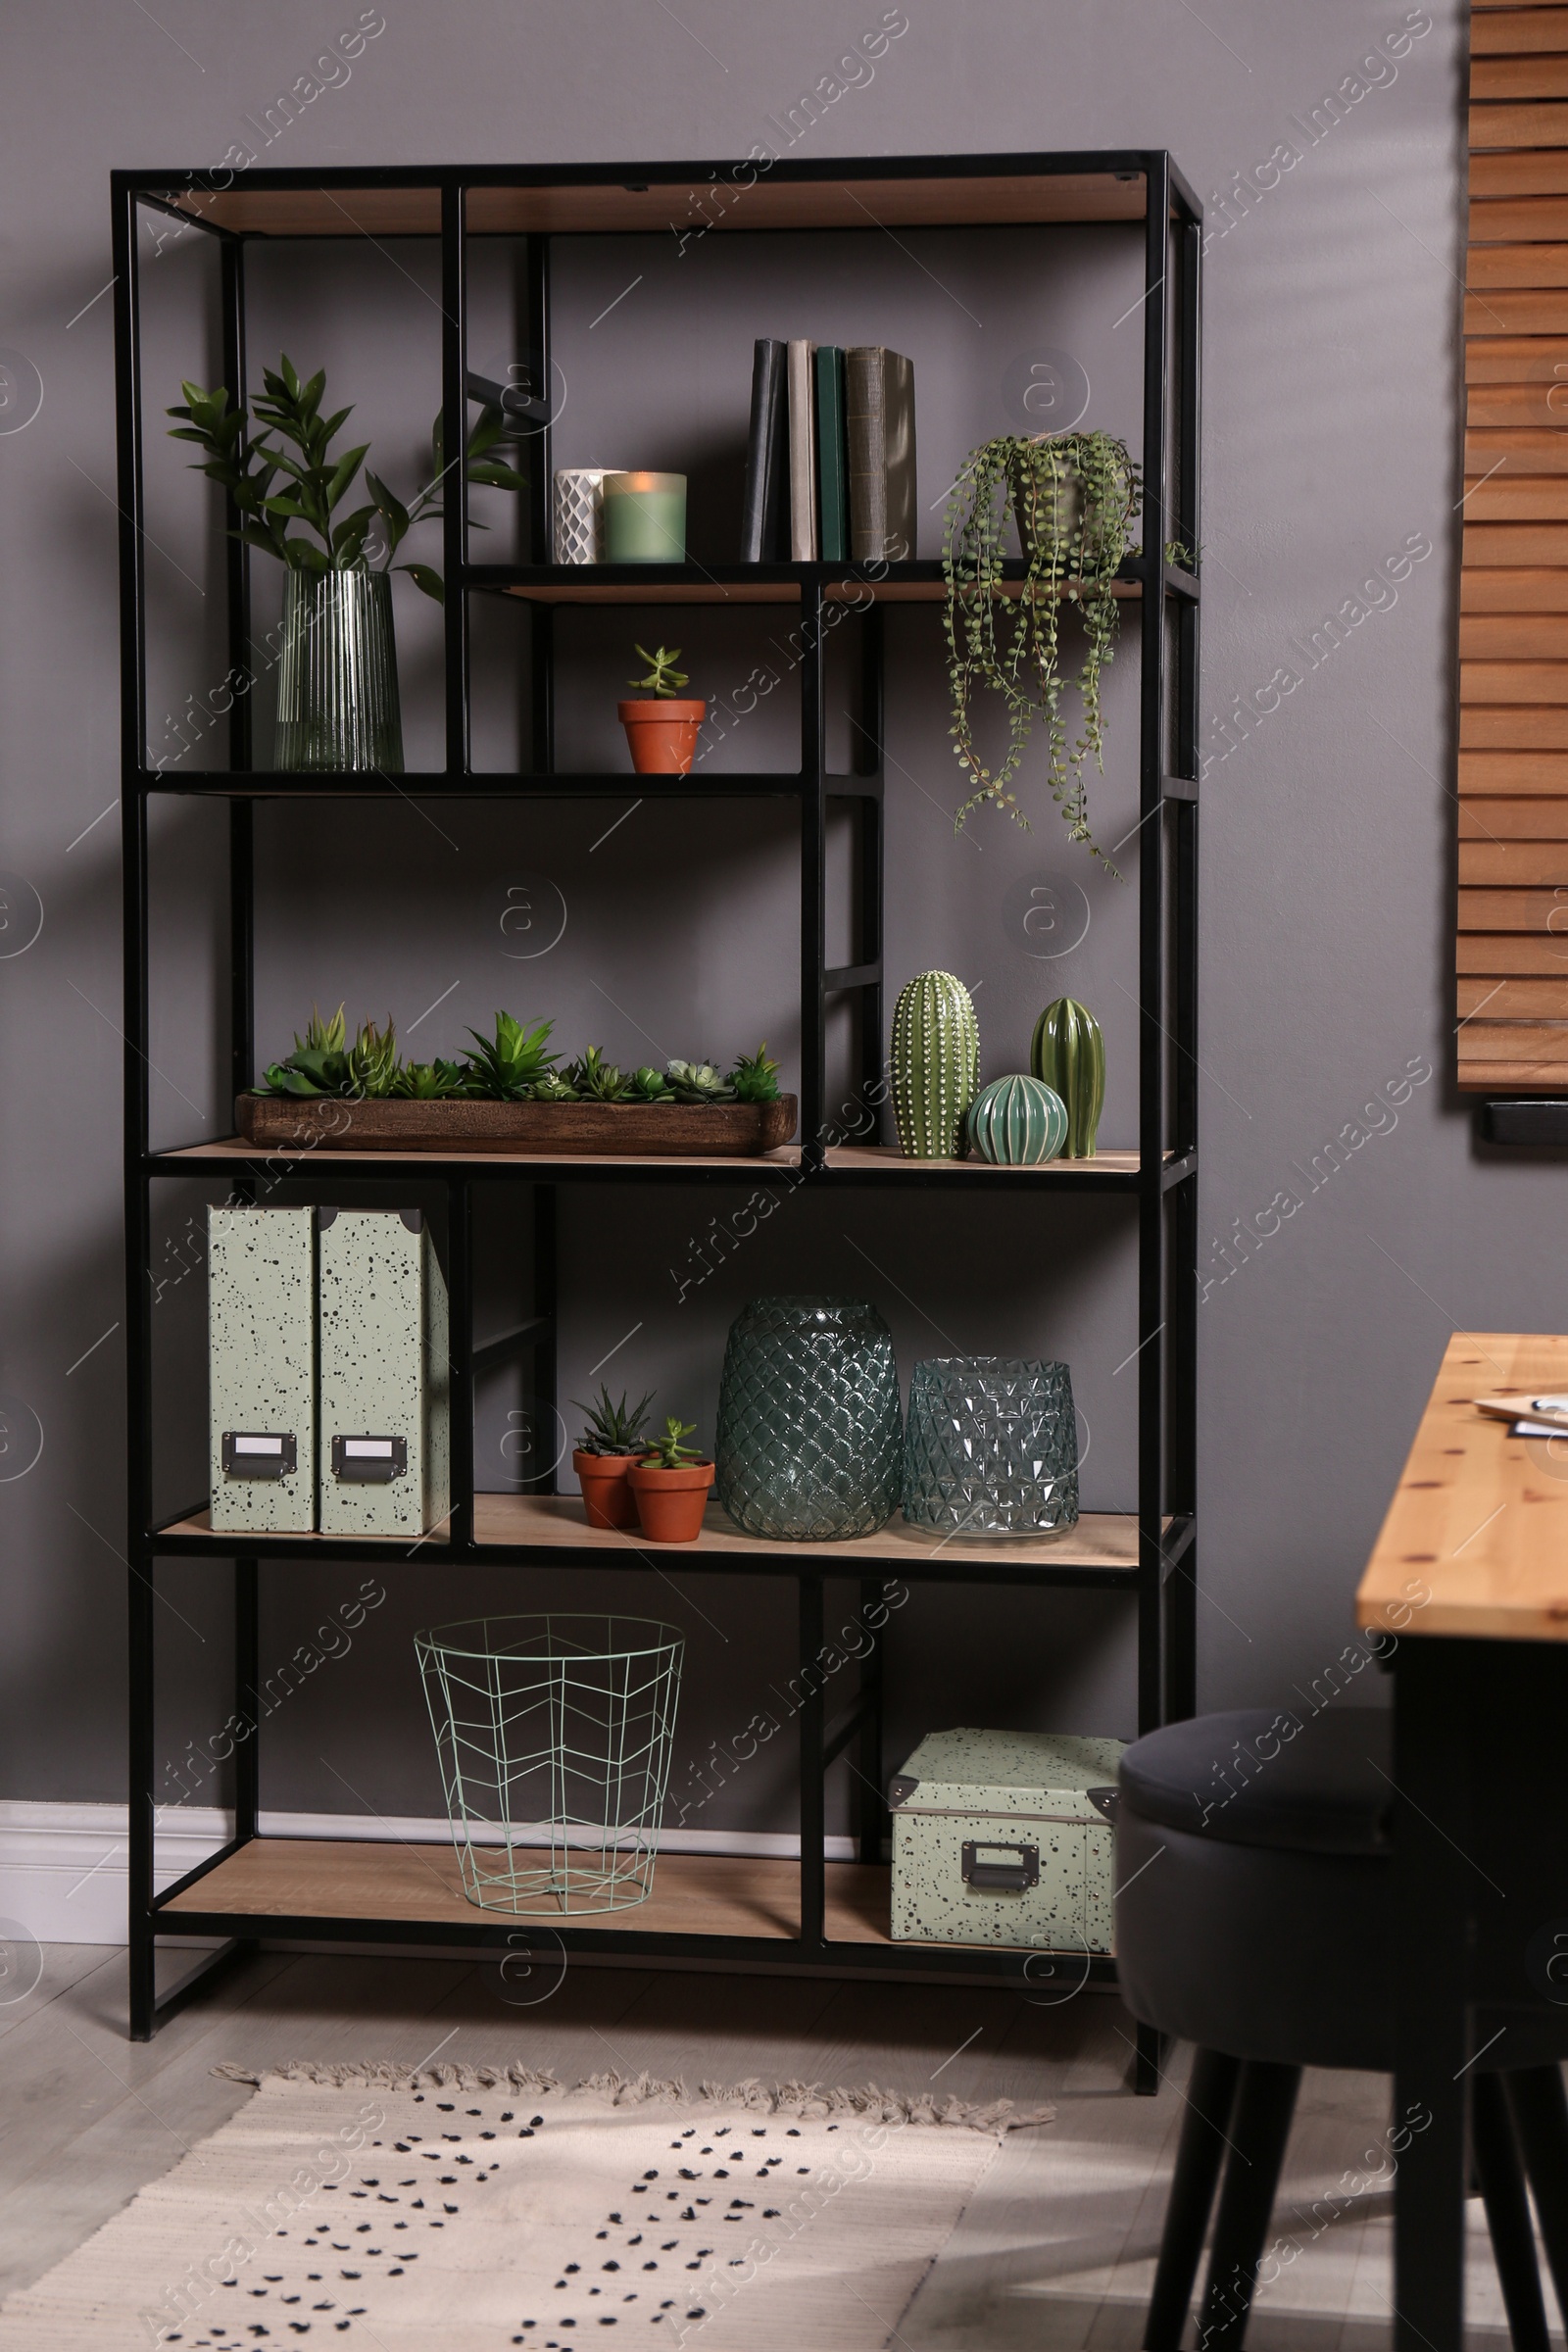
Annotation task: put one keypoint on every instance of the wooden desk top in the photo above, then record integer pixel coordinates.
(1476, 1539)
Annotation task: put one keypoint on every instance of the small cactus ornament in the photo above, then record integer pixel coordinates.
(1017, 1122)
(935, 1065)
(1069, 1053)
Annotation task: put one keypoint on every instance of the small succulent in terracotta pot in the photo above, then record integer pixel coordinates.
(662, 731)
(671, 1483)
(612, 1444)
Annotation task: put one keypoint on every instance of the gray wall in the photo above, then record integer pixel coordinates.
(1330, 445)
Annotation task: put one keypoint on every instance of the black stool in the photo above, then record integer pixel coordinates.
(1254, 1917)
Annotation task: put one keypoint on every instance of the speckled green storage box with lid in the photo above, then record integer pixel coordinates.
(385, 1380)
(1006, 1837)
(261, 1354)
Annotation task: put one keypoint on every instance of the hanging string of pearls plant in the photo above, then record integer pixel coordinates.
(1072, 497)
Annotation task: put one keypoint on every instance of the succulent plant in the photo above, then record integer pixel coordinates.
(1069, 1052)
(373, 1067)
(935, 1065)
(754, 1077)
(556, 1087)
(667, 1452)
(508, 1067)
(664, 679)
(318, 1064)
(648, 1085)
(698, 1082)
(614, 1428)
(593, 1079)
(431, 1081)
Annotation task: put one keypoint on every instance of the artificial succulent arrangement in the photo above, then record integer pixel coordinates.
(514, 1064)
(313, 486)
(614, 1428)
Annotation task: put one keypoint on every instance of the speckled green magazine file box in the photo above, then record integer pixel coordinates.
(1006, 1837)
(384, 1384)
(260, 1346)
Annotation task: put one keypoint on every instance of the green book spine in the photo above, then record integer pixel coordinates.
(832, 458)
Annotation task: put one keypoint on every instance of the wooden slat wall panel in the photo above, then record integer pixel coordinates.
(1511, 1006)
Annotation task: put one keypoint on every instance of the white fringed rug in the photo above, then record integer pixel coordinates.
(476, 2208)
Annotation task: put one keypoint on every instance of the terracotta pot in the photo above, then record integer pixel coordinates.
(670, 1503)
(662, 735)
(607, 1495)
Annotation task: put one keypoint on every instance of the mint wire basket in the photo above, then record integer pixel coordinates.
(554, 1736)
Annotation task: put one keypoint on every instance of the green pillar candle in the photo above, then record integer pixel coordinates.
(645, 518)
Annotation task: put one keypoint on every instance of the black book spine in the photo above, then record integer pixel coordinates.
(759, 508)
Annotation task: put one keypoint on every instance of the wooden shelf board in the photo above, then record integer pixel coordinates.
(887, 1159)
(663, 207)
(711, 589)
(1476, 1539)
(234, 1147)
(200, 1523)
(1100, 1539)
(882, 1160)
(694, 1894)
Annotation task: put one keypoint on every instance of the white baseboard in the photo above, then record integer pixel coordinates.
(64, 1868)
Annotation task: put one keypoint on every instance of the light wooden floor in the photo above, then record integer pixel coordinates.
(1055, 2251)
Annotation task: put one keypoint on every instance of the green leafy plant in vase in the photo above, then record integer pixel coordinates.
(661, 729)
(337, 681)
(1073, 498)
(672, 1485)
(605, 1452)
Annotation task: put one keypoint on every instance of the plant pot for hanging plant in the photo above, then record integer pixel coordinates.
(607, 1495)
(661, 735)
(670, 1503)
(337, 674)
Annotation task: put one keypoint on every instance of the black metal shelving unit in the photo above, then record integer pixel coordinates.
(1149, 1555)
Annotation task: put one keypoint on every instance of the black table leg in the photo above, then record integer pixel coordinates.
(1436, 1885)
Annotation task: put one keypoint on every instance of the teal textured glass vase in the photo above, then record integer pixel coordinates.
(810, 1441)
(992, 1447)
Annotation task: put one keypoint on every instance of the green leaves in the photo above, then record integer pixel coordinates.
(431, 1081)
(698, 1082)
(662, 678)
(614, 1428)
(755, 1078)
(514, 1065)
(667, 1452)
(508, 1067)
(316, 482)
(1073, 497)
(595, 1080)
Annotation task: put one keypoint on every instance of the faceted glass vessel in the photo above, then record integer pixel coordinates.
(809, 1442)
(992, 1448)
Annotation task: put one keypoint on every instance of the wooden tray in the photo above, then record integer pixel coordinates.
(640, 1130)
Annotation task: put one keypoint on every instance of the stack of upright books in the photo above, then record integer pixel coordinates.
(830, 460)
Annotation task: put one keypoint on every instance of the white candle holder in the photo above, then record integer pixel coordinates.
(577, 533)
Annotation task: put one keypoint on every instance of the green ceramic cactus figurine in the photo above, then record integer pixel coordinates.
(1017, 1122)
(1069, 1053)
(935, 1065)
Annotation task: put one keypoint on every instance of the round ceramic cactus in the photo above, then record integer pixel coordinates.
(935, 1065)
(1069, 1053)
(1017, 1121)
